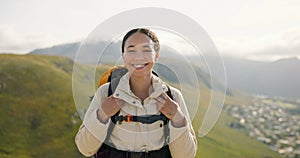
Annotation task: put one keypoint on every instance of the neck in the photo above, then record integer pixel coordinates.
(140, 86)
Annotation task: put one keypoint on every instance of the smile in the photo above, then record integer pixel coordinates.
(139, 66)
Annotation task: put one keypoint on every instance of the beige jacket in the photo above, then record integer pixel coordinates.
(135, 136)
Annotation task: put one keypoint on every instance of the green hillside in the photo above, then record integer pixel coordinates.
(36, 107)
(38, 116)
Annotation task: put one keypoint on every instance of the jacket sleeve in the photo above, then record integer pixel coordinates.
(92, 132)
(183, 142)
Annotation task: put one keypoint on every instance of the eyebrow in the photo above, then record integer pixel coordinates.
(132, 46)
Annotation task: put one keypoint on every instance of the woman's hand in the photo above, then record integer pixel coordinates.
(171, 110)
(109, 107)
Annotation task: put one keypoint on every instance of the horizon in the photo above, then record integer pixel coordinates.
(270, 60)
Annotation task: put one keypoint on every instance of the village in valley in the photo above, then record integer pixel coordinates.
(274, 121)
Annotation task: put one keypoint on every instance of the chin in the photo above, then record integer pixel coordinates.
(145, 73)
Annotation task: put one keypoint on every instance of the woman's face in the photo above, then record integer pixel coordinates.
(139, 55)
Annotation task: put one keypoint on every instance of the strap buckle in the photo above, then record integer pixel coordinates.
(128, 118)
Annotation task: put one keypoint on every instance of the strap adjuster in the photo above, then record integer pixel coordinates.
(128, 118)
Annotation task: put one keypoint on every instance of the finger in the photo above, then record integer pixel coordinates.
(162, 96)
(161, 102)
(120, 102)
(165, 95)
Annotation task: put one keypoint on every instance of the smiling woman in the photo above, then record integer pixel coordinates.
(139, 55)
(139, 96)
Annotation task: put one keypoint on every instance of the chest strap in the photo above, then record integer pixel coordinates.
(146, 119)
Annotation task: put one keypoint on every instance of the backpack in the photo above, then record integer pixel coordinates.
(113, 76)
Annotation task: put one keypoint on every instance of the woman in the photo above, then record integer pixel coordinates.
(139, 93)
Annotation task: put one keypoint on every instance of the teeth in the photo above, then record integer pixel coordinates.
(138, 65)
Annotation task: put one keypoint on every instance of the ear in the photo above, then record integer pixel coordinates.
(123, 57)
(156, 56)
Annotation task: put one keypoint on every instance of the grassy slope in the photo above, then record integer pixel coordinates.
(36, 107)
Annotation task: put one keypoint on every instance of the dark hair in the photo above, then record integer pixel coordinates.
(145, 31)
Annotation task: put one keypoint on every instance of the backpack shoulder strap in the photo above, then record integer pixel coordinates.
(166, 128)
(114, 79)
(169, 93)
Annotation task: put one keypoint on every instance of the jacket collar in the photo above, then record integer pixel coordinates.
(123, 88)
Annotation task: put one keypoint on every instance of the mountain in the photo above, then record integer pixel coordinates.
(39, 119)
(278, 78)
(88, 57)
(171, 64)
(67, 50)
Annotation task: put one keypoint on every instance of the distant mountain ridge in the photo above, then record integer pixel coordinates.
(278, 78)
(66, 50)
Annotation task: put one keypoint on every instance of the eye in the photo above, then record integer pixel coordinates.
(147, 50)
(131, 51)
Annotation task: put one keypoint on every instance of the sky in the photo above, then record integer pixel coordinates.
(253, 29)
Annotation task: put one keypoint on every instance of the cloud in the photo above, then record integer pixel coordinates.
(13, 41)
(287, 43)
(281, 45)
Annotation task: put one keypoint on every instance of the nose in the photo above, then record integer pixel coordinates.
(140, 55)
